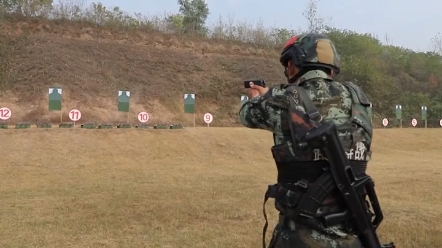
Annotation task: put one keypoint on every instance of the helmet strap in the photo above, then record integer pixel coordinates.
(293, 79)
(296, 76)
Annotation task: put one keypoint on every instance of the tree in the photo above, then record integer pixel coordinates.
(281, 35)
(436, 43)
(316, 24)
(195, 13)
(28, 8)
(175, 23)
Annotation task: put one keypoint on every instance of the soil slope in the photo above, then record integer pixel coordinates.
(93, 63)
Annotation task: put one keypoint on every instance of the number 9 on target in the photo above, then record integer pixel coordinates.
(208, 118)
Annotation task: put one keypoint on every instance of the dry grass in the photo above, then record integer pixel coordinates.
(186, 188)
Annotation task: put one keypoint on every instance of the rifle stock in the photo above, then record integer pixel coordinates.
(326, 137)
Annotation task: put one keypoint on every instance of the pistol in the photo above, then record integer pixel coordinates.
(260, 82)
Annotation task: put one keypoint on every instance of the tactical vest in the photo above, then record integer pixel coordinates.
(303, 187)
(296, 161)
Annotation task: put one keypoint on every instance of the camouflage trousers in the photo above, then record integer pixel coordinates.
(287, 234)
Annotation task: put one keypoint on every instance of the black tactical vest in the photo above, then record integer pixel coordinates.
(296, 162)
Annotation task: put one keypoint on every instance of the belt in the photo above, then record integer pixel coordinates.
(305, 207)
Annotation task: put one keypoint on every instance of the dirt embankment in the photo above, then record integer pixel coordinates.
(93, 63)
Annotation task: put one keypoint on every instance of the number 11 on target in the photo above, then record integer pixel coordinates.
(208, 118)
(75, 115)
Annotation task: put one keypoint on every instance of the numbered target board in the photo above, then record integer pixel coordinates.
(208, 118)
(5, 113)
(414, 122)
(385, 122)
(143, 117)
(75, 115)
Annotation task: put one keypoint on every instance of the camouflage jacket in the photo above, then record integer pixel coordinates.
(334, 102)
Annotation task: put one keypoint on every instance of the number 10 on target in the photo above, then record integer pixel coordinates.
(143, 117)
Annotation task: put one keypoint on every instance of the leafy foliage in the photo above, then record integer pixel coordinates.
(194, 15)
(29, 8)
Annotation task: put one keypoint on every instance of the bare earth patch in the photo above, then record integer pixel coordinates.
(92, 64)
(186, 188)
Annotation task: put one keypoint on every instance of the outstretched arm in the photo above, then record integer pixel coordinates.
(264, 111)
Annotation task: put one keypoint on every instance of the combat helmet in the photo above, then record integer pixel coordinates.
(311, 50)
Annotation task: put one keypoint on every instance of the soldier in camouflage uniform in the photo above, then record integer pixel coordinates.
(310, 62)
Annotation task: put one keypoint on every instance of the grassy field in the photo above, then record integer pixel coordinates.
(187, 188)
